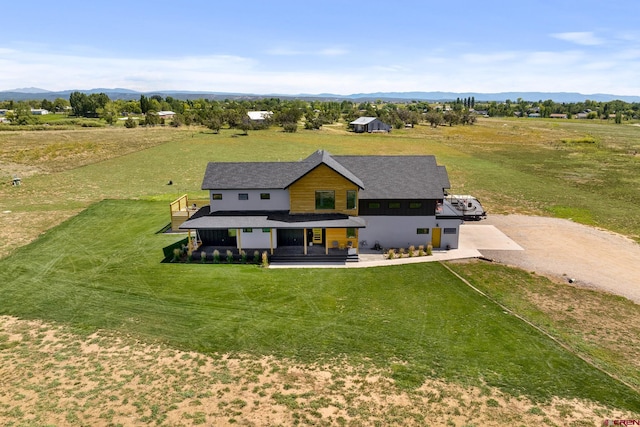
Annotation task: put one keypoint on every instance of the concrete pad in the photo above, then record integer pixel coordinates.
(488, 237)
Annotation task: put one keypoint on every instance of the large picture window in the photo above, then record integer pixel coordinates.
(351, 199)
(325, 199)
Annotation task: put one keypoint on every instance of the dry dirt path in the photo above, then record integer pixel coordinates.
(566, 250)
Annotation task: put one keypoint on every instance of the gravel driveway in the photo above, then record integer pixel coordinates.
(560, 248)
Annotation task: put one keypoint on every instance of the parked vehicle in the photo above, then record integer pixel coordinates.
(466, 206)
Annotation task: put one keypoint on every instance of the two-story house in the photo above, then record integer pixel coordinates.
(326, 201)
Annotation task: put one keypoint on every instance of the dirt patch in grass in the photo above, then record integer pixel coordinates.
(53, 376)
(30, 152)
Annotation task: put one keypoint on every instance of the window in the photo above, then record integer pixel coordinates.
(374, 205)
(422, 231)
(243, 196)
(266, 230)
(325, 199)
(351, 233)
(351, 199)
(217, 196)
(265, 196)
(394, 205)
(449, 231)
(247, 230)
(415, 205)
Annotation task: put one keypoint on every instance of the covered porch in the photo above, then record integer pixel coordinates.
(280, 234)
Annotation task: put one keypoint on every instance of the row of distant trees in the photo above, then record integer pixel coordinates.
(288, 112)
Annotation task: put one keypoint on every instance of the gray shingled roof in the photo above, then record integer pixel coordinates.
(257, 175)
(363, 120)
(265, 221)
(379, 177)
(398, 177)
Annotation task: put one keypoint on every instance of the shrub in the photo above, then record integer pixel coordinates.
(216, 256)
(265, 259)
(421, 250)
(401, 252)
(391, 254)
(229, 256)
(243, 257)
(92, 124)
(429, 249)
(176, 254)
(130, 123)
(411, 250)
(290, 127)
(203, 257)
(256, 257)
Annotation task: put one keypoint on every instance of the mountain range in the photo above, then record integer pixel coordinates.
(23, 94)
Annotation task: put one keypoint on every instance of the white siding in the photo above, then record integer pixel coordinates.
(257, 239)
(449, 239)
(402, 231)
(279, 200)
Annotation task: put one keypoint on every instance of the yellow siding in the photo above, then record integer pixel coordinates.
(340, 235)
(303, 193)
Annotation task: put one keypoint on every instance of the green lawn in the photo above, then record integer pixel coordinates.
(573, 169)
(101, 269)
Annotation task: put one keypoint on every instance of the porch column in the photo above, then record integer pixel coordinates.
(305, 241)
(238, 230)
(271, 240)
(326, 243)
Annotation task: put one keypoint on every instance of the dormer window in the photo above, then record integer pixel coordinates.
(351, 199)
(325, 199)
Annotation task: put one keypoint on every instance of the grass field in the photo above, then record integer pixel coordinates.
(100, 269)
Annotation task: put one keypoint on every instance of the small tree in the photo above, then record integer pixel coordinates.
(130, 123)
(290, 127)
(151, 118)
(434, 118)
(451, 117)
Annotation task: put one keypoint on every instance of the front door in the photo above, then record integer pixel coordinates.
(315, 236)
(435, 240)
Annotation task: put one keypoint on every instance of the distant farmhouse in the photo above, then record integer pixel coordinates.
(369, 124)
(259, 116)
(166, 115)
(39, 111)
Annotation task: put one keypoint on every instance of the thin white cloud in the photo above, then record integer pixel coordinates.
(469, 70)
(584, 38)
(287, 51)
(333, 52)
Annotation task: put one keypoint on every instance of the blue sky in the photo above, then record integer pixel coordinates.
(343, 47)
